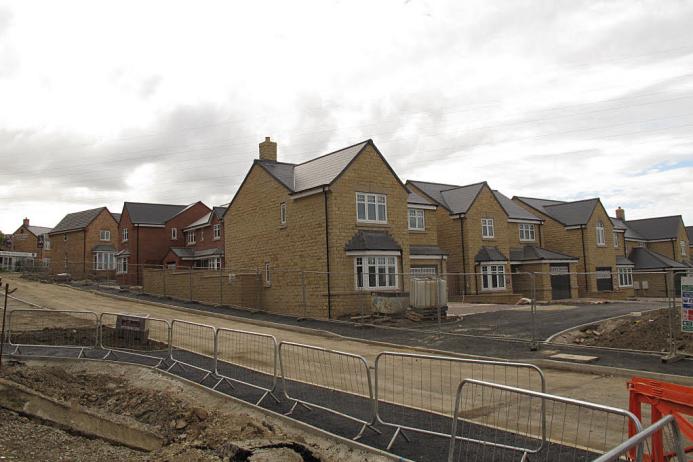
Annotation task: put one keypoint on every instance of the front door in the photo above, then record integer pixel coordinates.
(560, 281)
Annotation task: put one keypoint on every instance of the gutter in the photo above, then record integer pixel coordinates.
(84, 252)
(327, 253)
(137, 260)
(464, 256)
(584, 259)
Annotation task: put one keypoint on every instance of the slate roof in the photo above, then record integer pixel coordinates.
(567, 213)
(513, 210)
(629, 233)
(532, 253)
(219, 211)
(623, 261)
(416, 199)
(320, 171)
(656, 228)
(206, 219)
(152, 214)
(116, 216)
(646, 259)
(460, 199)
(372, 240)
(431, 250)
(689, 232)
(489, 254)
(38, 230)
(188, 253)
(77, 220)
(434, 190)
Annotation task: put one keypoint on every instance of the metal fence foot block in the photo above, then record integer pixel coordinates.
(265, 395)
(363, 429)
(394, 437)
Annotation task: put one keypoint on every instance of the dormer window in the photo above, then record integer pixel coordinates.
(371, 208)
(601, 236)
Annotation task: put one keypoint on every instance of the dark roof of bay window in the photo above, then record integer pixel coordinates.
(575, 213)
(152, 214)
(489, 254)
(372, 240)
(77, 220)
(623, 261)
(533, 253)
(431, 250)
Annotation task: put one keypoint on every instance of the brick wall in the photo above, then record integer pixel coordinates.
(71, 250)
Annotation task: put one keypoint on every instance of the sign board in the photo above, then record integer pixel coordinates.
(687, 304)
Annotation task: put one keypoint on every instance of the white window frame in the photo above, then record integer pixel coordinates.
(217, 231)
(384, 274)
(492, 277)
(615, 235)
(46, 243)
(488, 230)
(682, 244)
(174, 233)
(105, 235)
(282, 213)
(379, 203)
(625, 276)
(122, 265)
(125, 234)
(215, 263)
(190, 237)
(527, 232)
(423, 271)
(104, 261)
(601, 234)
(418, 216)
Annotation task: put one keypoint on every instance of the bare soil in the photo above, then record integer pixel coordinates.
(649, 332)
(193, 427)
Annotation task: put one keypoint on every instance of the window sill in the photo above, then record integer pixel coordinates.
(216, 239)
(500, 289)
(417, 231)
(528, 240)
(363, 224)
(284, 226)
(488, 238)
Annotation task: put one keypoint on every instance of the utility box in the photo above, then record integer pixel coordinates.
(132, 329)
(428, 293)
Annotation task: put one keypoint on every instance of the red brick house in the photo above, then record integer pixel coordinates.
(147, 231)
(33, 239)
(204, 243)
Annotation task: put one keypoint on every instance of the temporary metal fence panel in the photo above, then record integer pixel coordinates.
(56, 328)
(135, 335)
(248, 358)
(193, 345)
(333, 381)
(498, 422)
(416, 392)
(665, 430)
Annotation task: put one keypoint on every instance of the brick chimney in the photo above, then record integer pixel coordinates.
(621, 214)
(268, 150)
(26, 222)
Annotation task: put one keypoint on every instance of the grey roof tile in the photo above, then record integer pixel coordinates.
(432, 250)
(283, 172)
(689, 233)
(372, 240)
(433, 190)
(646, 259)
(188, 253)
(77, 220)
(219, 211)
(574, 213)
(460, 199)
(532, 253)
(116, 216)
(656, 228)
(513, 210)
(39, 230)
(623, 261)
(152, 214)
(416, 199)
(489, 254)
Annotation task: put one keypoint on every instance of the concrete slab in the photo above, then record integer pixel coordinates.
(574, 358)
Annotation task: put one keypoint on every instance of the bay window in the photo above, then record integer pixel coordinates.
(104, 261)
(493, 277)
(376, 272)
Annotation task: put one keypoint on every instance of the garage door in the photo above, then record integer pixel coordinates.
(560, 281)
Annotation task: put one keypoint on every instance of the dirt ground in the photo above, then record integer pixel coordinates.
(194, 424)
(600, 388)
(649, 332)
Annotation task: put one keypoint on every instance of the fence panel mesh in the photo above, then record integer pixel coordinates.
(192, 344)
(135, 334)
(77, 329)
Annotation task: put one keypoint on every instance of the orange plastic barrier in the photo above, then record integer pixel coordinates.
(664, 399)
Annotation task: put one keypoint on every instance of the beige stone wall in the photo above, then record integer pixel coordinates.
(430, 235)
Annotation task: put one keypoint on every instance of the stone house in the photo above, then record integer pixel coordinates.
(32, 239)
(492, 244)
(82, 244)
(324, 234)
(689, 234)
(427, 258)
(583, 229)
(204, 243)
(146, 232)
(654, 245)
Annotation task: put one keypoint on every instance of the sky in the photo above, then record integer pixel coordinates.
(164, 101)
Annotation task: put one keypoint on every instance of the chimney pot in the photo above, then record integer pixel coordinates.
(26, 222)
(268, 150)
(621, 214)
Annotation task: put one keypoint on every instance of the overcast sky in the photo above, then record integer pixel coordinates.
(102, 102)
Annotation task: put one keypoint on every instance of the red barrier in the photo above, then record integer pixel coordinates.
(664, 399)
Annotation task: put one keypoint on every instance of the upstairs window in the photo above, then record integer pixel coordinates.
(615, 240)
(125, 234)
(416, 220)
(105, 235)
(487, 231)
(190, 237)
(282, 213)
(371, 208)
(683, 248)
(174, 233)
(527, 232)
(46, 244)
(217, 232)
(601, 235)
